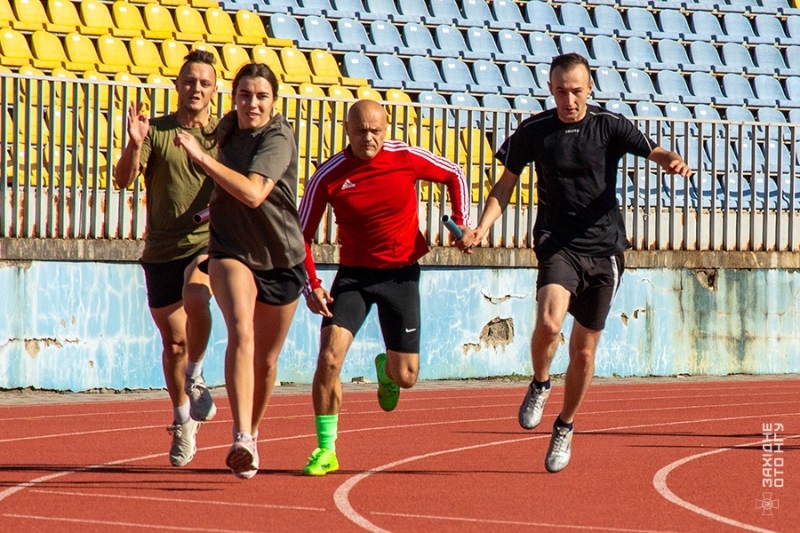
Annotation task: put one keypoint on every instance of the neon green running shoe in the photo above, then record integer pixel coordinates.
(321, 462)
(388, 391)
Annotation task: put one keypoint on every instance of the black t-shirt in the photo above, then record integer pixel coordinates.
(576, 165)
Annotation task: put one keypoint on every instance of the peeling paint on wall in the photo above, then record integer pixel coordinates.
(498, 332)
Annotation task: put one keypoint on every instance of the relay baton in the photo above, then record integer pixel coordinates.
(201, 216)
(451, 226)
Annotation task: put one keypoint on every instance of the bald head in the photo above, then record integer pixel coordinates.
(366, 128)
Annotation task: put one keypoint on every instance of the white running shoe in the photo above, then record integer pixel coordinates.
(184, 443)
(560, 449)
(201, 405)
(530, 412)
(243, 456)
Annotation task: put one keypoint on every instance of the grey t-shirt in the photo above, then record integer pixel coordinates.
(268, 236)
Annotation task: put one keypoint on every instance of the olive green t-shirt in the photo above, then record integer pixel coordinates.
(268, 236)
(176, 189)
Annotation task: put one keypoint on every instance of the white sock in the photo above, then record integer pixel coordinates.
(194, 370)
(181, 413)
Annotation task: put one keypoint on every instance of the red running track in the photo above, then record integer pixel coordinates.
(648, 455)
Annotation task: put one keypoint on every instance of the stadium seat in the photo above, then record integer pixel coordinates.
(770, 27)
(366, 92)
(31, 16)
(541, 73)
(220, 65)
(313, 102)
(512, 44)
(706, 86)
(128, 90)
(741, 118)
(642, 22)
(478, 10)
(672, 83)
(774, 118)
(706, 58)
(158, 23)
(640, 87)
(114, 55)
(357, 65)
(351, 33)
(465, 110)
(488, 74)
(65, 12)
(190, 23)
(30, 89)
(66, 89)
(576, 17)
(569, 42)
(767, 87)
(448, 9)
(739, 91)
(385, 34)
(608, 84)
(233, 57)
(793, 89)
(642, 52)
(220, 27)
(355, 8)
(778, 158)
(769, 57)
(250, 29)
(618, 106)
(450, 40)
(526, 103)
(750, 156)
(317, 33)
(48, 53)
(417, 9)
(520, 78)
(480, 41)
(681, 117)
(647, 109)
(608, 53)
(675, 23)
(542, 46)
(424, 70)
(507, 13)
(500, 111)
(457, 71)
(543, 18)
(14, 49)
(262, 54)
(737, 56)
(146, 59)
(339, 109)
(325, 66)
(738, 26)
(421, 37)
(298, 69)
(96, 18)
(388, 11)
(710, 120)
(128, 21)
(433, 114)
(609, 20)
(394, 73)
(398, 113)
(673, 56)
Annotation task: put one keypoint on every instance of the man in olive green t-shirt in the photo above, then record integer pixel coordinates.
(178, 293)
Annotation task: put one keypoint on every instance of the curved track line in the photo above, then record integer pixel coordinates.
(341, 496)
(660, 484)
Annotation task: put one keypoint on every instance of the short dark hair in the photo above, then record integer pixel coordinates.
(568, 62)
(199, 56)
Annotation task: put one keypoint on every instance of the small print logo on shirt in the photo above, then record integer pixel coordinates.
(411, 330)
(573, 130)
(348, 184)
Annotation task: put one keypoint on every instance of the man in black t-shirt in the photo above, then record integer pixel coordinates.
(579, 234)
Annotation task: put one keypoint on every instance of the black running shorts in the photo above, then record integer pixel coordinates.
(164, 281)
(394, 291)
(592, 281)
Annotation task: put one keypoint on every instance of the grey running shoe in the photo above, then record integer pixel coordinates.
(201, 406)
(183, 442)
(530, 412)
(243, 456)
(560, 449)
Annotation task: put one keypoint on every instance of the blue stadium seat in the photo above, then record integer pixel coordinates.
(541, 73)
(683, 117)
(738, 26)
(672, 83)
(352, 32)
(750, 156)
(793, 26)
(576, 17)
(388, 10)
(507, 12)
(706, 86)
(391, 69)
(787, 184)
(674, 190)
(778, 157)
(450, 39)
(648, 109)
(544, 48)
(738, 191)
(421, 37)
(707, 24)
(285, 27)
(274, 6)
(419, 10)
(720, 155)
(428, 98)
(741, 117)
(673, 56)
(425, 70)
(489, 74)
(641, 21)
(608, 84)
(457, 71)
(478, 10)
(357, 65)
(355, 8)
(769, 57)
(480, 41)
(512, 43)
(738, 88)
(765, 190)
(519, 77)
(569, 42)
(526, 103)
(542, 17)
(607, 52)
(316, 7)
(618, 106)
(737, 56)
(792, 54)
(773, 117)
(609, 20)
(793, 91)
(705, 57)
(319, 30)
(448, 9)
(641, 51)
(504, 117)
(675, 23)
(385, 34)
(641, 86)
(770, 88)
(770, 27)
(706, 113)
(462, 101)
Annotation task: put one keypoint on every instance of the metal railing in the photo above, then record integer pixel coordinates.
(60, 138)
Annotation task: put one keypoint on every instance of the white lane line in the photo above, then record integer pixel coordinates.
(341, 495)
(179, 500)
(522, 523)
(85, 521)
(660, 484)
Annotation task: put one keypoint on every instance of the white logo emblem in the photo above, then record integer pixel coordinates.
(411, 330)
(348, 184)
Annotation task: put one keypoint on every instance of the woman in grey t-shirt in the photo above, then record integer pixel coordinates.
(256, 248)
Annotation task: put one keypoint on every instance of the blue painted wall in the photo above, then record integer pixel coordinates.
(78, 326)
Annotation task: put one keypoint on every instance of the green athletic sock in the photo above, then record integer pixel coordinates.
(327, 429)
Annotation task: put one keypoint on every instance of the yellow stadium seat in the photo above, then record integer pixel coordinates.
(269, 57)
(61, 167)
(36, 87)
(97, 20)
(305, 169)
(65, 13)
(14, 49)
(173, 3)
(474, 142)
(114, 55)
(7, 13)
(48, 53)
(94, 127)
(158, 19)
(249, 28)
(478, 181)
(66, 88)
(422, 136)
(309, 143)
(190, 23)
(220, 26)
(324, 65)
(233, 57)
(146, 58)
(204, 3)
(18, 160)
(223, 98)
(31, 130)
(221, 70)
(129, 91)
(102, 92)
(31, 16)
(298, 70)
(397, 96)
(368, 93)
(158, 96)
(449, 145)
(317, 107)
(127, 18)
(286, 106)
(342, 100)
(173, 52)
(81, 50)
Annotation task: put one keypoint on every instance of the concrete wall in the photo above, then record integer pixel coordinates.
(78, 325)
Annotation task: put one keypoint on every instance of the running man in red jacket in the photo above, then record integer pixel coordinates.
(371, 186)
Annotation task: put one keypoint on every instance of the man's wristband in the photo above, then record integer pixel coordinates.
(310, 285)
